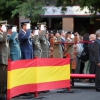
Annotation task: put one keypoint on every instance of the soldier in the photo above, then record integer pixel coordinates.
(43, 40)
(25, 41)
(36, 43)
(12, 35)
(51, 35)
(69, 48)
(3, 59)
(48, 43)
(57, 48)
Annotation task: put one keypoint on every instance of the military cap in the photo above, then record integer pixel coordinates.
(3, 22)
(25, 22)
(50, 31)
(55, 32)
(10, 26)
(34, 28)
(44, 23)
(38, 24)
(41, 23)
(69, 32)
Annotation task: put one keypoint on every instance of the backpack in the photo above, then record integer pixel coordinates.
(84, 56)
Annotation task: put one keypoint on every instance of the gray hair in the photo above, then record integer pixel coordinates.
(98, 32)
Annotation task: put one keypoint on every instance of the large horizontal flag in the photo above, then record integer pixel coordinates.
(38, 74)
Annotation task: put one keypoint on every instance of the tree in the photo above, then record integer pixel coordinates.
(93, 5)
(6, 8)
(34, 8)
(31, 9)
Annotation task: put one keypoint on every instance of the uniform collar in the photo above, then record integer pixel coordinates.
(24, 31)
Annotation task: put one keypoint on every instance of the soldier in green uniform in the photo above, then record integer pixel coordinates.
(3, 59)
(43, 40)
(58, 52)
(36, 43)
(69, 47)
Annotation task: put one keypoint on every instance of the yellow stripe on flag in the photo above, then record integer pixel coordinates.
(35, 75)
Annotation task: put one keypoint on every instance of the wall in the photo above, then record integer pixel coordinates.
(68, 24)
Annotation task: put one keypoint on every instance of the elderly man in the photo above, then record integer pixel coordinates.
(97, 60)
(92, 38)
(3, 60)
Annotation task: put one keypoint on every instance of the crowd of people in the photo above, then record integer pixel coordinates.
(36, 41)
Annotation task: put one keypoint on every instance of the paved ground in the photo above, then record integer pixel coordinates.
(83, 91)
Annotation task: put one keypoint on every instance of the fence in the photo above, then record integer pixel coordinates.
(37, 74)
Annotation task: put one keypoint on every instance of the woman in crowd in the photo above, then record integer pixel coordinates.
(87, 63)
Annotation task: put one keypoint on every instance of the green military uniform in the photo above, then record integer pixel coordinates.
(36, 46)
(70, 47)
(3, 61)
(44, 44)
(57, 48)
(70, 50)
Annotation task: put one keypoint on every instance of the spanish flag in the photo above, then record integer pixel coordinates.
(38, 74)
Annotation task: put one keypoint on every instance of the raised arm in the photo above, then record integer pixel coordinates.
(3, 39)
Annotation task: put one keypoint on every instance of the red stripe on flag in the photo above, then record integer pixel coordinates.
(37, 87)
(38, 62)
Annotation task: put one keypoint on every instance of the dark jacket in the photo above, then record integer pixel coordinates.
(86, 49)
(91, 52)
(96, 47)
(25, 43)
(86, 38)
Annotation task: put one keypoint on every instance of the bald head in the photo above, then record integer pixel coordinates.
(92, 37)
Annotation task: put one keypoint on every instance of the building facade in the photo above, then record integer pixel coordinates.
(73, 19)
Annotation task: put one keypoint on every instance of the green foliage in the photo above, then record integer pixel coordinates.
(92, 5)
(31, 9)
(6, 6)
(34, 8)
